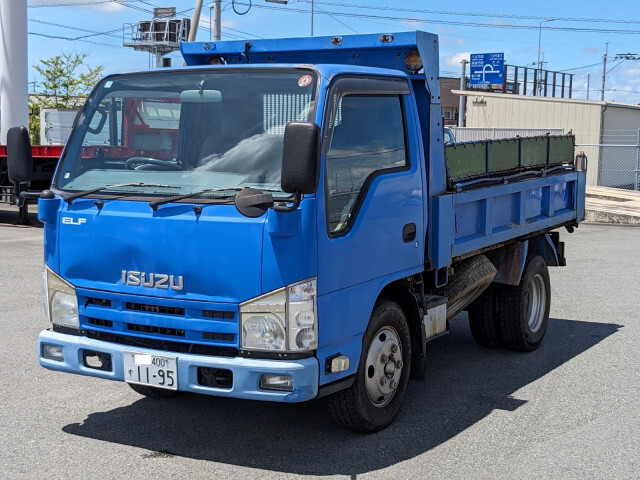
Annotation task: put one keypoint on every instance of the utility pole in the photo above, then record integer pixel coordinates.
(217, 35)
(195, 20)
(588, 80)
(13, 66)
(539, 71)
(215, 25)
(604, 70)
(462, 103)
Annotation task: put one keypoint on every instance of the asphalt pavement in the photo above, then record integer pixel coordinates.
(570, 410)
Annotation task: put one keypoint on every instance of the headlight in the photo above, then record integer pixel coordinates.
(263, 331)
(62, 303)
(281, 321)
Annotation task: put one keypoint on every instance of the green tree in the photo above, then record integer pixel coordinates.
(66, 82)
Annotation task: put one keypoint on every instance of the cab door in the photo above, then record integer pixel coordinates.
(371, 222)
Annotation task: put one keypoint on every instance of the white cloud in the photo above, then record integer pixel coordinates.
(108, 6)
(622, 83)
(456, 59)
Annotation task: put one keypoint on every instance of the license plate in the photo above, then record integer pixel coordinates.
(148, 369)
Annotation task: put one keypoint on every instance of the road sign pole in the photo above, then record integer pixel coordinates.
(463, 98)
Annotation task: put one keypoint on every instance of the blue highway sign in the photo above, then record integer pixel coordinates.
(487, 69)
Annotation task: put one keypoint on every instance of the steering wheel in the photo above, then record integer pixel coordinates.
(147, 163)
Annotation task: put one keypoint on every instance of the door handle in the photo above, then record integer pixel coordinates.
(409, 232)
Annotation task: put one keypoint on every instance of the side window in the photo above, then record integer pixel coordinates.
(367, 138)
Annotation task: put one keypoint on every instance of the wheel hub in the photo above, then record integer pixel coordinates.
(536, 306)
(384, 367)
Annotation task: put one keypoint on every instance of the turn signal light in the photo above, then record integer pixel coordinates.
(413, 62)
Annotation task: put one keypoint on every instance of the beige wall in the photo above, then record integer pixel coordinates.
(621, 124)
(517, 111)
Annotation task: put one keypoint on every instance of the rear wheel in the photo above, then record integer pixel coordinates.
(153, 392)
(523, 310)
(374, 399)
(483, 319)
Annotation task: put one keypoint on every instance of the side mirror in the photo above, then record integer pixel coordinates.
(19, 160)
(300, 158)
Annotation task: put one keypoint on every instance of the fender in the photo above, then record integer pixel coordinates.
(510, 260)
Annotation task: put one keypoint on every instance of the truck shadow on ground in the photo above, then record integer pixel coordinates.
(9, 217)
(464, 384)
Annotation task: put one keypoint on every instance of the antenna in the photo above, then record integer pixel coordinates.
(159, 36)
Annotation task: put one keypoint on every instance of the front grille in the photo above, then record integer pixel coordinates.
(157, 322)
(218, 314)
(142, 307)
(179, 347)
(174, 332)
(100, 322)
(225, 337)
(101, 302)
(215, 377)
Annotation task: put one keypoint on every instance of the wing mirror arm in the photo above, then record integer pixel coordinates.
(285, 207)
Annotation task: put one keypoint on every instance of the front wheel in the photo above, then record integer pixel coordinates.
(523, 310)
(374, 399)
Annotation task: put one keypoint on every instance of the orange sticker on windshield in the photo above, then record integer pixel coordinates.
(305, 81)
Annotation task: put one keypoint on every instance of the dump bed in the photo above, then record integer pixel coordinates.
(500, 190)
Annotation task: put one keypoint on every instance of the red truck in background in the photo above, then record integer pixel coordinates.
(55, 127)
(45, 158)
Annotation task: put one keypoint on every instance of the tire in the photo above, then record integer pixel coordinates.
(153, 392)
(471, 278)
(483, 319)
(374, 398)
(23, 213)
(523, 310)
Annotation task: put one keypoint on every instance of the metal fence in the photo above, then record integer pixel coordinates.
(618, 164)
(466, 134)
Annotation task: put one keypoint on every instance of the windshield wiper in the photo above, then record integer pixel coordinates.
(154, 204)
(72, 196)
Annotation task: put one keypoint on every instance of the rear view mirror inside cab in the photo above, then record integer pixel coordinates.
(201, 96)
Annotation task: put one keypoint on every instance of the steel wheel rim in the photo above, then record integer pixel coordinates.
(383, 367)
(537, 303)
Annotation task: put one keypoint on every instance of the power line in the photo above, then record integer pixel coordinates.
(478, 14)
(73, 39)
(88, 3)
(337, 20)
(464, 24)
(74, 4)
(621, 90)
(580, 68)
(125, 4)
(617, 65)
(93, 33)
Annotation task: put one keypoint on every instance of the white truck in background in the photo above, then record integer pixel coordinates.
(56, 124)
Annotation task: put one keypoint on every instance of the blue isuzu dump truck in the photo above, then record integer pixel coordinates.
(280, 220)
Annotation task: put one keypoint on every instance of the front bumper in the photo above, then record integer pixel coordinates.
(246, 372)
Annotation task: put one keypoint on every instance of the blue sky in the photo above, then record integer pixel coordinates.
(574, 41)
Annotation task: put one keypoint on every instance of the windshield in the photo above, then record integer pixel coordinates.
(182, 132)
